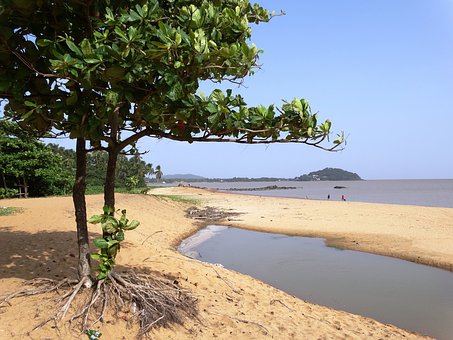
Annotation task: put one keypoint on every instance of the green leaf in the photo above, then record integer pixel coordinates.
(120, 236)
(196, 17)
(134, 224)
(121, 34)
(101, 243)
(111, 243)
(141, 10)
(326, 126)
(113, 250)
(95, 219)
(296, 103)
(133, 16)
(108, 210)
(123, 219)
(92, 61)
(86, 48)
(109, 227)
(339, 140)
(43, 42)
(73, 47)
(109, 14)
(101, 276)
(178, 38)
(96, 256)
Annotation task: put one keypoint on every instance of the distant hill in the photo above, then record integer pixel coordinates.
(182, 176)
(329, 174)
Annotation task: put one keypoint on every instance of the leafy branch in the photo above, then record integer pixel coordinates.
(109, 245)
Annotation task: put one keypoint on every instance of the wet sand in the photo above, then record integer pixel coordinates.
(41, 242)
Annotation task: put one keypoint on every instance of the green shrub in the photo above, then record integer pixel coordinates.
(8, 193)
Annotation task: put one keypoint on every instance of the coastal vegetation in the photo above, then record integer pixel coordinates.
(107, 74)
(30, 168)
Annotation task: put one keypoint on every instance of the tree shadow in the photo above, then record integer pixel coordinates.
(44, 254)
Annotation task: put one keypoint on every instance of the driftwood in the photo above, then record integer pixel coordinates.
(209, 214)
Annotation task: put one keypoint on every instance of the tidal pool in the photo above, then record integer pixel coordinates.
(415, 297)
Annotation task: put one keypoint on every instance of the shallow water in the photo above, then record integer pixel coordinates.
(411, 296)
(426, 192)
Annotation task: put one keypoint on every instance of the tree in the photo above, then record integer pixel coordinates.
(29, 165)
(158, 173)
(112, 72)
(131, 172)
(127, 167)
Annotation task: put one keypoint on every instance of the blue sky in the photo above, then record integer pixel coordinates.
(381, 70)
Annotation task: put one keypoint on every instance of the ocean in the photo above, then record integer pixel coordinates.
(424, 192)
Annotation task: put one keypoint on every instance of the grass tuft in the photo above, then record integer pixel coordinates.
(5, 211)
(181, 199)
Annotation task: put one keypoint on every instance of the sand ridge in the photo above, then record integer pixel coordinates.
(41, 242)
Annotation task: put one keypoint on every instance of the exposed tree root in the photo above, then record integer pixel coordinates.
(41, 286)
(149, 300)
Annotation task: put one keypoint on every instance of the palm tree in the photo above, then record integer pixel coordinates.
(158, 173)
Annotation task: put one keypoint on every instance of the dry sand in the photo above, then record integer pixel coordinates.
(41, 242)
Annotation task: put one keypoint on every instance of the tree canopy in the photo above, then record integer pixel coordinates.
(93, 69)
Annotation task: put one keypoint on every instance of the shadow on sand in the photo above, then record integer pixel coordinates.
(43, 254)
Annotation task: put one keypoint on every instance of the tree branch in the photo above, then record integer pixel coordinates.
(240, 140)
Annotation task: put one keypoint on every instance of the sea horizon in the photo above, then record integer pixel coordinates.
(421, 192)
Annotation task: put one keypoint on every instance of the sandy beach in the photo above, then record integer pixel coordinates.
(41, 242)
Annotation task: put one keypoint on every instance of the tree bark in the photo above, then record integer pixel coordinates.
(78, 196)
(4, 181)
(25, 187)
(109, 186)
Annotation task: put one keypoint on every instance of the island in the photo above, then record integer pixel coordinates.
(329, 174)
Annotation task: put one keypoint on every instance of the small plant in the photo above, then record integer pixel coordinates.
(4, 211)
(92, 334)
(132, 182)
(8, 193)
(113, 234)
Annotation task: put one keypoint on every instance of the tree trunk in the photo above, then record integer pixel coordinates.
(25, 187)
(4, 181)
(109, 186)
(78, 196)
